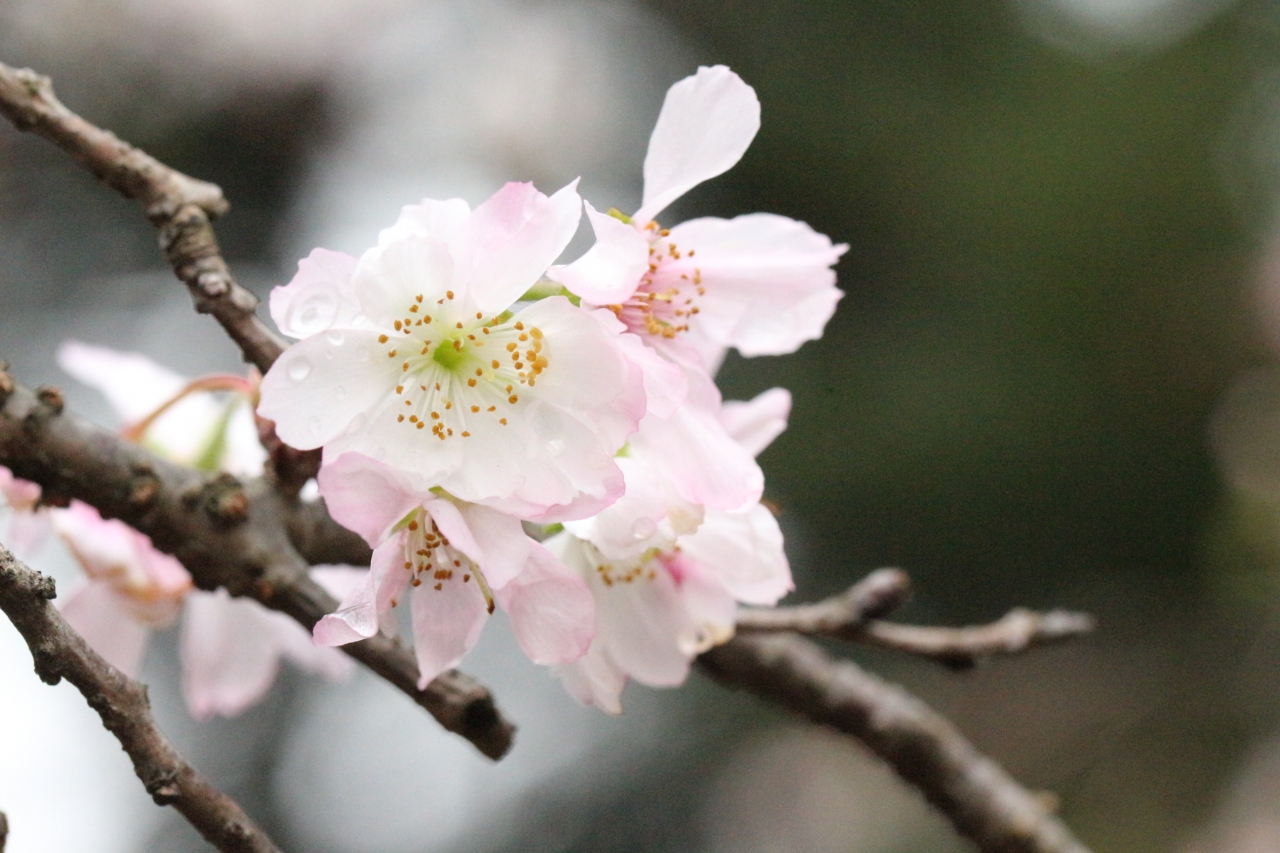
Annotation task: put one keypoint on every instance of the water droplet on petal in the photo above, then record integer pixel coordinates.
(335, 337)
(340, 393)
(299, 368)
(314, 425)
(357, 423)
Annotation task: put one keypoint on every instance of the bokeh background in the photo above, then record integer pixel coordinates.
(1053, 381)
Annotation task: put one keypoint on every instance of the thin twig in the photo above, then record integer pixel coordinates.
(841, 616)
(980, 799)
(59, 652)
(960, 648)
(179, 206)
(4, 831)
(856, 615)
(227, 534)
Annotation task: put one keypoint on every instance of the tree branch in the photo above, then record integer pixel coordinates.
(980, 799)
(4, 831)
(59, 652)
(960, 648)
(855, 615)
(842, 616)
(225, 533)
(180, 207)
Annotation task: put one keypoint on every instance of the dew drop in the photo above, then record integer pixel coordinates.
(357, 423)
(335, 337)
(643, 528)
(299, 368)
(340, 393)
(314, 425)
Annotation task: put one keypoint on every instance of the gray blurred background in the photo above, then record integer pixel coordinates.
(1053, 381)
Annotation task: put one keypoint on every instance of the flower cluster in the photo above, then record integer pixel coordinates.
(505, 431)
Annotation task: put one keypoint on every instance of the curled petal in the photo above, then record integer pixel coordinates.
(707, 122)
(594, 679)
(439, 220)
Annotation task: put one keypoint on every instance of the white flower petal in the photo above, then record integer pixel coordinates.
(439, 220)
(228, 658)
(366, 496)
(133, 384)
(707, 122)
(319, 297)
(756, 423)
(594, 679)
(320, 385)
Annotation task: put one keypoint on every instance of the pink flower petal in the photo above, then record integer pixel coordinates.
(367, 496)
(503, 543)
(319, 297)
(610, 270)
(551, 609)
(360, 611)
(106, 622)
(512, 239)
(446, 624)
(745, 551)
(692, 451)
(768, 280)
(228, 657)
(594, 679)
(707, 122)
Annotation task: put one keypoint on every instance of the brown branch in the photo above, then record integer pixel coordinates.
(960, 648)
(180, 207)
(842, 616)
(4, 831)
(59, 652)
(856, 615)
(980, 799)
(225, 533)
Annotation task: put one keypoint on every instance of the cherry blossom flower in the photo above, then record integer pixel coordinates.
(452, 560)
(760, 283)
(421, 356)
(666, 574)
(231, 648)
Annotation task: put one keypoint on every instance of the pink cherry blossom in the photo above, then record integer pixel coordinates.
(418, 355)
(451, 561)
(667, 574)
(760, 283)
